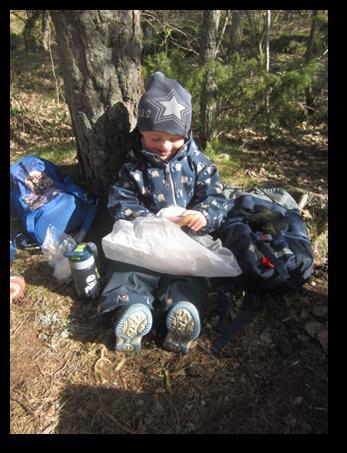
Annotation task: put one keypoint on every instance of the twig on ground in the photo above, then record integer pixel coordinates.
(25, 406)
(123, 427)
(103, 348)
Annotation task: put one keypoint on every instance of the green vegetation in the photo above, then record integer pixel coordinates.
(242, 86)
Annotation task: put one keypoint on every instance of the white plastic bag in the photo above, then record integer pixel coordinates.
(53, 247)
(160, 245)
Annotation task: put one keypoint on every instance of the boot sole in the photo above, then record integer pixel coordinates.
(183, 325)
(134, 323)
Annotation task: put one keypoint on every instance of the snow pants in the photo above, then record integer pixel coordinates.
(128, 284)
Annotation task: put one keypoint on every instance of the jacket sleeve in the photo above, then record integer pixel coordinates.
(209, 198)
(124, 201)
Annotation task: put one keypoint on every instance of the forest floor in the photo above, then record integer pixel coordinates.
(67, 378)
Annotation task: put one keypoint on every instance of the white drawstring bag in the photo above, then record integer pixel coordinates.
(160, 245)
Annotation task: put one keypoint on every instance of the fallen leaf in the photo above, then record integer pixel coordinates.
(167, 381)
(313, 328)
(120, 364)
(306, 214)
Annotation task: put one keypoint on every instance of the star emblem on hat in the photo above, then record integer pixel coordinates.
(169, 107)
(172, 107)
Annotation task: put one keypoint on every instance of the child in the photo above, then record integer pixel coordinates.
(163, 168)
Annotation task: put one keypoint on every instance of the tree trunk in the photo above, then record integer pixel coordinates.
(29, 32)
(223, 27)
(267, 68)
(208, 51)
(148, 38)
(309, 55)
(234, 38)
(46, 32)
(99, 53)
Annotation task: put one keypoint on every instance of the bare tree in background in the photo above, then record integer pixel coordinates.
(208, 53)
(234, 38)
(46, 30)
(30, 35)
(267, 68)
(310, 53)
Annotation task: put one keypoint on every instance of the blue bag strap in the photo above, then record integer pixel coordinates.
(249, 306)
(19, 238)
(30, 224)
(89, 219)
(24, 241)
(12, 251)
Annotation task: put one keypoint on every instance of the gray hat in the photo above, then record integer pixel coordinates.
(165, 106)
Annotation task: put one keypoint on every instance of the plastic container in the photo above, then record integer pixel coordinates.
(85, 273)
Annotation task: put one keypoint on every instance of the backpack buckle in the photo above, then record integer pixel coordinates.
(265, 260)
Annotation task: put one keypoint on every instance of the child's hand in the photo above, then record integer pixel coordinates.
(195, 220)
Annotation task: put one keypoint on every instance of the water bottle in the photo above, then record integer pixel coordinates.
(85, 274)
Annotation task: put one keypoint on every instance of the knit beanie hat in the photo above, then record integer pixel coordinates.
(165, 106)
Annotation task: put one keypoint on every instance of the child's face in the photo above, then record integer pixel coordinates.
(161, 143)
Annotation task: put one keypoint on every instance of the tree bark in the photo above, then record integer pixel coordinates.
(234, 38)
(208, 51)
(309, 55)
(29, 32)
(267, 68)
(99, 53)
(223, 27)
(46, 33)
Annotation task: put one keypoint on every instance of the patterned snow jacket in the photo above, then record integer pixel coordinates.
(146, 184)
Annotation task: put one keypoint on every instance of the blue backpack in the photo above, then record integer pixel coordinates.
(41, 197)
(266, 233)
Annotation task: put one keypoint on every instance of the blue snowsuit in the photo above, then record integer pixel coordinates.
(146, 184)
